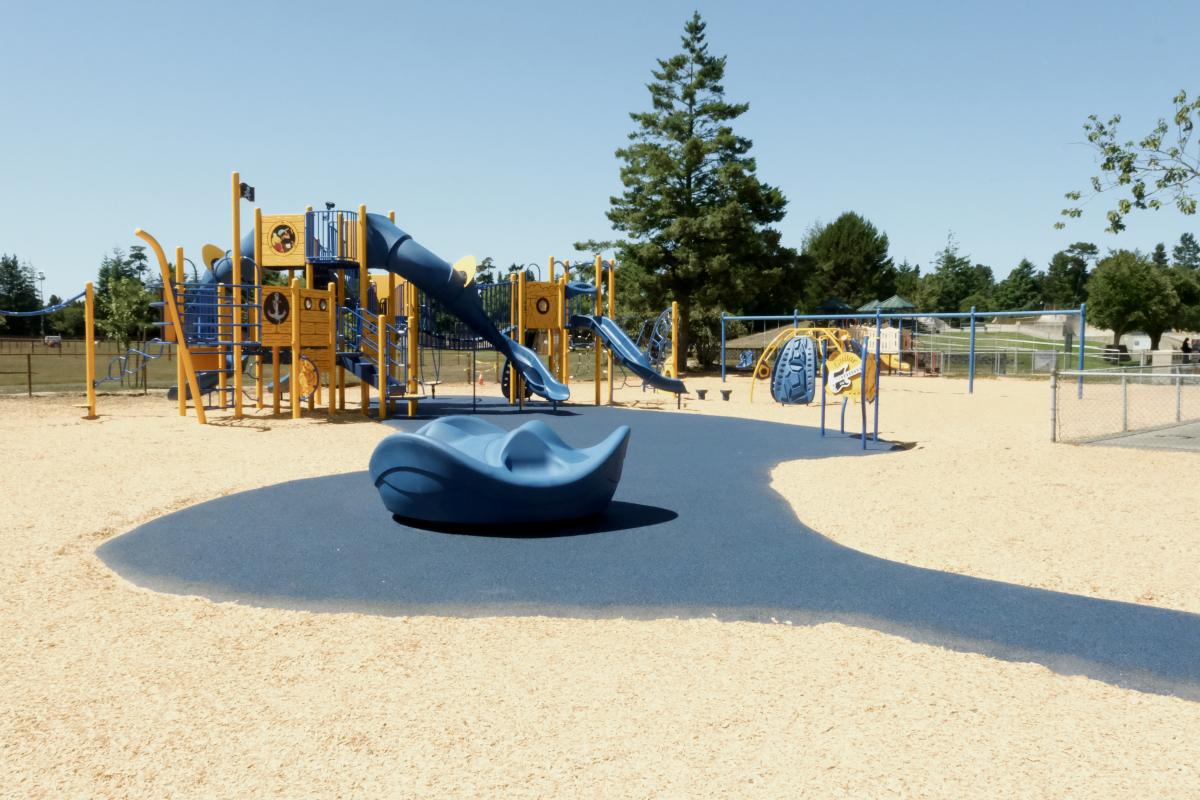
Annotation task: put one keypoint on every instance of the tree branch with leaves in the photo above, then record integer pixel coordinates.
(1163, 166)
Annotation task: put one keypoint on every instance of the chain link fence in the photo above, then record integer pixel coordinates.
(1089, 405)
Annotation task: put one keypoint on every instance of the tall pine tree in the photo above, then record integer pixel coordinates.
(850, 261)
(696, 215)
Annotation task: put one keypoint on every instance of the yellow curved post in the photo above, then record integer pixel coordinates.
(237, 296)
(173, 312)
(294, 372)
(598, 310)
(89, 356)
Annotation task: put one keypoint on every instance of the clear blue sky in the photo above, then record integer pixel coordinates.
(490, 127)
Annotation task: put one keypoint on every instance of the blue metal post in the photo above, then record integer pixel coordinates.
(971, 357)
(722, 347)
(862, 394)
(1082, 331)
(844, 401)
(878, 335)
(824, 382)
(795, 318)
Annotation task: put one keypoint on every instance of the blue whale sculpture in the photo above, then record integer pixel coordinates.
(464, 469)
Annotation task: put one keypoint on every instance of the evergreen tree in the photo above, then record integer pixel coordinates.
(908, 281)
(1021, 290)
(18, 292)
(848, 259)
(1067, 276)
(955, 284)
(1159, 256)
(1186, 254)
(696, 215)
(114, 267)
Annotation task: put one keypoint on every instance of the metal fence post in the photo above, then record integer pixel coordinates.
(29, 373)
(1124, 403)
(1054, 405)
(1082, 343)
(1178, 396)
(971, 357)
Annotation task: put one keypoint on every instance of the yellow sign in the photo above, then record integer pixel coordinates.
(277, 314)
(282, 240)
(846, 376)
(541, 305)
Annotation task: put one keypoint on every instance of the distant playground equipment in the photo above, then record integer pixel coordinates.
(525, 475)
(334, 317)
(925, 341)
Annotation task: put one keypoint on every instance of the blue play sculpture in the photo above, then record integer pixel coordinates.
(463, 469)
(794, 378)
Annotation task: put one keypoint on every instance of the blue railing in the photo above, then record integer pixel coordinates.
(332, 237)
(210, 317)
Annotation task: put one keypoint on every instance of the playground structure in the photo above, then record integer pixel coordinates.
(524, 475)
(335, 319)
(923, 343)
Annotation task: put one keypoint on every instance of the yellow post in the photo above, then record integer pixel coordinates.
(237, 296)
(520, 382)
(675, 339)
(341, 371)
(363, 277)
(564, 340)
(599, 309)
(551, 349)
(512, 318)
(381, 373)
(332, 307)
(89, 356)
(258, 360)
(412, 342)
(173, 312)
(612, 314)
(222, 378)
(294, 372)
(275, 393)
(309, 278)
(180, 388)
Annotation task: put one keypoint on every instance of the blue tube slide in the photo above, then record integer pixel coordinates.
(392, 249)
(626, 352)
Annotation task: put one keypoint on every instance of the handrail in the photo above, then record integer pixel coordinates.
(173, 311)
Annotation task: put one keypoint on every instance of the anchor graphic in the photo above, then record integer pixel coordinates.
(276, 308)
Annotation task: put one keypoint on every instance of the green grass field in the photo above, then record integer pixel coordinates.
(24, 364)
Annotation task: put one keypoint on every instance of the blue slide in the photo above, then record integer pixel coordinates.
(392, 249)
(626, 352)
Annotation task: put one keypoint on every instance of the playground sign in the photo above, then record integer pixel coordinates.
(277, 317)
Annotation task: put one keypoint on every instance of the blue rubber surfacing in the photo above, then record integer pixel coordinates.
(694, 531)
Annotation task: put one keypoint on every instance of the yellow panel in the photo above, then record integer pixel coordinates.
(277, 317)
(541, 305)
(282, 240)
(845, 375)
